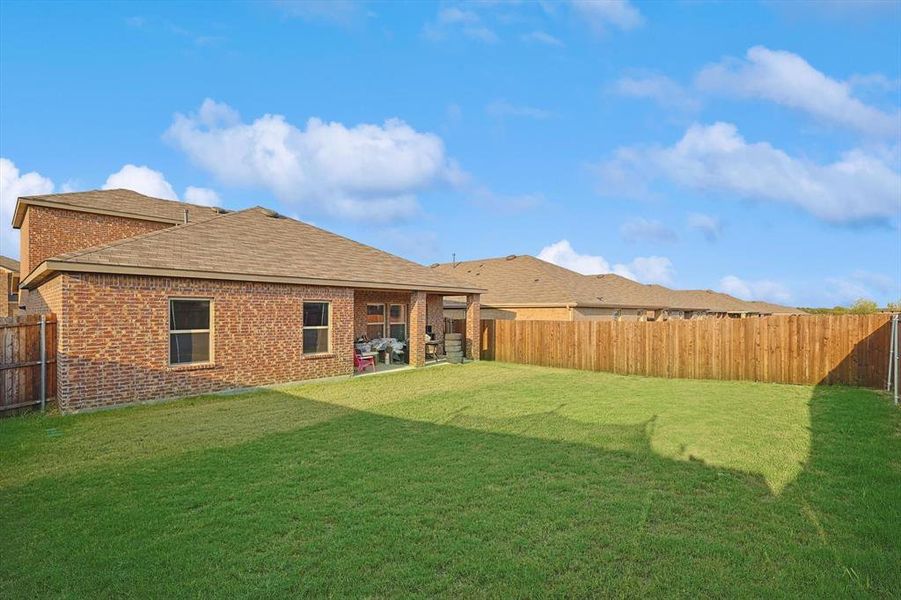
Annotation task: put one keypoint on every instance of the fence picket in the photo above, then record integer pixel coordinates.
(20, 366)
(804, 349)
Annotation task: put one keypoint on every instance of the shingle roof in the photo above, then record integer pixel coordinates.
(9, 264)
(254, 245)
(777, 309)
(125, 203)
(526, 280)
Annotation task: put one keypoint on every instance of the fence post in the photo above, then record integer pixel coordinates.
(43, 361)
(897, 358)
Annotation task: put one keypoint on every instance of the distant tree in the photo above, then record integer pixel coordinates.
(864, 307)
(835, 310)
(894, 306)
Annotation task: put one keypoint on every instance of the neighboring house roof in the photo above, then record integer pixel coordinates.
(777, 309)
(255, 244)
(716, 302)
(120, 203)
(625, 291)
(528, 281)
(10, 264)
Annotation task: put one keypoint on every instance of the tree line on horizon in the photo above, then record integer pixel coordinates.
(862, 306)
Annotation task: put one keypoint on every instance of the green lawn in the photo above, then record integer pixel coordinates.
(481, 480)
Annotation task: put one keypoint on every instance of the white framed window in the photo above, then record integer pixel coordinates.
(317, 327)
(190, 331)
(375, 321)
(397, 321)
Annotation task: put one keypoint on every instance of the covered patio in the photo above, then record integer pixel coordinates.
(401, 328)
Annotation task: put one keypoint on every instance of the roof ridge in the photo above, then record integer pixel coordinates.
(101, 190)
(142, 236)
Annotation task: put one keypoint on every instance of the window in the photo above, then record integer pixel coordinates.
(375, 321)
(315, 327)
(641, 315)
(189, 331)
(397, 322)
(617, 314)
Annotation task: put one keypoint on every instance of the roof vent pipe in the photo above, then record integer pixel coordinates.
(186, 216)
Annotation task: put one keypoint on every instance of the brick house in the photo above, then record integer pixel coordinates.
(157, 298)
(528, 288)
(9, 286)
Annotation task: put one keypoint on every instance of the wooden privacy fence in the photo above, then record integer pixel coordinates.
(805, 349)
(21, 361)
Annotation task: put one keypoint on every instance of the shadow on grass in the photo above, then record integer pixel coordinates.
(353, 503)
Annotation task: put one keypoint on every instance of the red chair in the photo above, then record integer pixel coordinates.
(361, 362)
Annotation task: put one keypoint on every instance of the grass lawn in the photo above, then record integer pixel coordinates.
(481, 480)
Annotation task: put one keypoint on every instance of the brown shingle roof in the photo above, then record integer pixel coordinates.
(124, 203)
(526, 280)
(776, 309)
(253, 245)
(9, 264)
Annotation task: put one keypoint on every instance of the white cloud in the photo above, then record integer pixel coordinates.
(788, 79)
(366, 171)
(602, 13)
(542, 37)
(762, 289)
(150, 182)
(143, 180)
(876, 281)
(643, 230)
(201, 196)
(859, 284)
(709, 226)
(502, 108)
(715, 158)
(649, 269)
(659, 88)
(562, 253)
(451, 19)
(14, 184)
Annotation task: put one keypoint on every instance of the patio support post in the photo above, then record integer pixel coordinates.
(473, 326)
(417, 329)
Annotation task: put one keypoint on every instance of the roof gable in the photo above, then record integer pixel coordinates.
(118, 202)
(10, 264)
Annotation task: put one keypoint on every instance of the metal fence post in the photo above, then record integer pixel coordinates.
(895, 346)
(43, 361)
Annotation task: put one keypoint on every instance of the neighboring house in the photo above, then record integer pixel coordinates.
(527, 288)
(157, 298)
(9, 286)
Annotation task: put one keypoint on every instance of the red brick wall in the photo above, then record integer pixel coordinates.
(416, 347)
(5, 281)
(114, 344)
(473, 326)
(364, 297)
(434, 315)
(434, 309)
(47, 232)
(45, 299)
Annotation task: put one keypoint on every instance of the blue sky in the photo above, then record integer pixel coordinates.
(748, 147)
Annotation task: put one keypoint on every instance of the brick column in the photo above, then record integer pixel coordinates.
(417, 329)
(473, 326)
